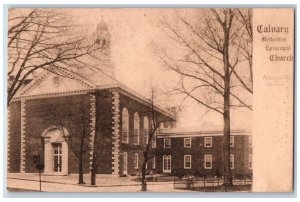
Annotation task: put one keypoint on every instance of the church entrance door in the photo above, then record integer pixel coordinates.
(57, 157)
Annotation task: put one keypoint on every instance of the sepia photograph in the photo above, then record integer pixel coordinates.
(149, 99)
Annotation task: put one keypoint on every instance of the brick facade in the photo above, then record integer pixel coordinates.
(102, 112)
(241, 151)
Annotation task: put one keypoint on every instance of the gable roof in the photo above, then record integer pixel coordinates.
(41, 87)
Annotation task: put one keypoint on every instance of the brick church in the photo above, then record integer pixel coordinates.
(53, 109)
(54, 116)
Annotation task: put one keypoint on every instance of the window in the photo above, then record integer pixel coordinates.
(146, 130)
(231, 141)
(136, 129)
(57, 157)
(153, 163)
(136, 161)
(167, 143)
(167, 163)
(187, 161)
(208, 161)
(187, 142)
(250, 161)
(125, 125)
(125, 163)
(208, 141)
(232, 161)
(250, 141)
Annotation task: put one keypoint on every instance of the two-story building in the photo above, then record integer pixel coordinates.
(199, 151)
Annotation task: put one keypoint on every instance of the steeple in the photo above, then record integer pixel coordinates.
(102, 38)
(102, 34)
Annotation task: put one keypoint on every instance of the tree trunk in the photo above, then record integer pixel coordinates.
(226, 114)
(143, 179)
(80, 170)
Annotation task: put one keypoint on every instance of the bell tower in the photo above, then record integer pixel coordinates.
(102, 39)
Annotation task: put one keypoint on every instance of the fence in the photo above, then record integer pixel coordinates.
(206, 182)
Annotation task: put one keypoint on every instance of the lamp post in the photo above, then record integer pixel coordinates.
(40, 166)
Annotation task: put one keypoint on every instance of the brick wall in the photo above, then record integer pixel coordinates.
(14, 139)
(104, 132)
(42, 113)
(143, 110)
(198, 150)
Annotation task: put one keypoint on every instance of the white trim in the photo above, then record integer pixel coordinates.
(136, 160)
(206, 157)
(184, 161)
(8, 139)
(23, 139)
(168, 158)
(145, 130)
(93, 127)
(208, 140)
(49, 140)
(125, 125)
(136, 120)
(190, 142)
(200, 134)
(154, 163)
(125, 163)
(115, 133)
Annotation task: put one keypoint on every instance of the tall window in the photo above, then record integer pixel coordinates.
(208, 161)
(232, 161)
(187, 142)
(250, 141)
(136, 132)
(146, 130)
(125, 163)
(153, 163)
(231, 141)
(167, 143)
(250, 161)
(125, 125)
(208, 141)
(136, 161)
(187, 161)
(167, 163)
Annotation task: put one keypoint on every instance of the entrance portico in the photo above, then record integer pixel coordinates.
(56, 151)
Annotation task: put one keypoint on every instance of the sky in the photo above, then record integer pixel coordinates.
(133, 35)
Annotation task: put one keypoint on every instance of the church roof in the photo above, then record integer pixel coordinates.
(205, 129)
(43, 87)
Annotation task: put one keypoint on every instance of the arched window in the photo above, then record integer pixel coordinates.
(146, 130)
(125, 125)
(136, 132)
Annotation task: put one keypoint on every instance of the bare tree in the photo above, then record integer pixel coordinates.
(213, 61)
(47, 39)
(148, 147)
(77, 143)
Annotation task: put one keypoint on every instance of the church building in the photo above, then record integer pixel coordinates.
(59, 118)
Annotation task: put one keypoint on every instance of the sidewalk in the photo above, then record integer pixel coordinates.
(104, 183)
